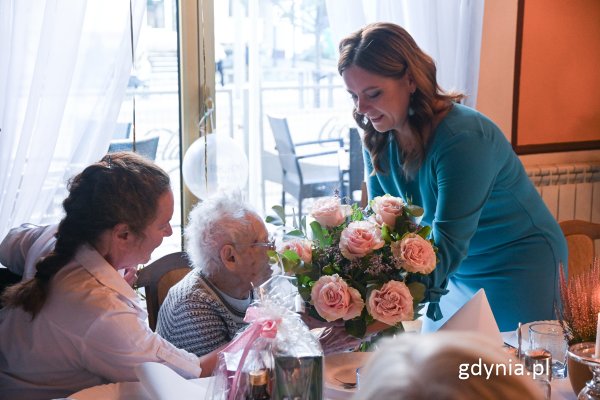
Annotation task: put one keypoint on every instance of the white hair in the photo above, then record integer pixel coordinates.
(438, 366)
(224, 218)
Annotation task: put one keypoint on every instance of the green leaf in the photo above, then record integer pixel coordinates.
(424, 231)
(356, 327)
(318, 234)
(274, 220)
(303, 225)
(414, 210)
(280, 213)
(291, 255)
(304, 280)
(417, 290)
(295, 233)
(328, 270)
(357, 214)
(385, 234)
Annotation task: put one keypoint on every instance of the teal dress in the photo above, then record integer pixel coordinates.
(491, 227)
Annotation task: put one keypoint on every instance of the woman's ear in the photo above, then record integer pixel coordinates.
(121, 232)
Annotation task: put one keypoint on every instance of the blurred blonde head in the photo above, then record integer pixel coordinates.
(444, 365)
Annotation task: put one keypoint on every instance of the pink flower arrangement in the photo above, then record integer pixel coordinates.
(360, 266)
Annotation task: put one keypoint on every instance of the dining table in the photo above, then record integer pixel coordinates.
(201, 388)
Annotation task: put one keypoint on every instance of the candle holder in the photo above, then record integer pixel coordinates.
(584, 353)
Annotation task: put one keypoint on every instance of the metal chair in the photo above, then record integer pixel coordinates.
(580, 237)
(356, 168)
(146, 147)
(299, 180)
(122, 130)
(157, 278)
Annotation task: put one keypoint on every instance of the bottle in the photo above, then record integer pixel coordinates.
(258, 383)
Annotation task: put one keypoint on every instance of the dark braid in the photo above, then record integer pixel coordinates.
(121, 188)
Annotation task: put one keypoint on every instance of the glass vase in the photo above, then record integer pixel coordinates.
(584, 353)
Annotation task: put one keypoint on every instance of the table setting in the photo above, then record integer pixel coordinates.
(558, 355)
(341, 371)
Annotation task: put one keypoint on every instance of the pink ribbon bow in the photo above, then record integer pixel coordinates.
(260, 325)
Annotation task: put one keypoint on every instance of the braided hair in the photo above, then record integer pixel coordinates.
(123, 187)
(388, 50)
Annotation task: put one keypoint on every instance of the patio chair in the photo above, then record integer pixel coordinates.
(146, 147)
(355, 174)
(305, 181)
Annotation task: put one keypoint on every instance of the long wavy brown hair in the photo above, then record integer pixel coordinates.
(388, 50)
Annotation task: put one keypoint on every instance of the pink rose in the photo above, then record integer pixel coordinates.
(414, 254)
(334, 299)
(329, 211)
(301, 247)
(387, 208)
(360, 238)
(391, 304)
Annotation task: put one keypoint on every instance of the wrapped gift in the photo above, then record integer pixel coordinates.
(276, 353)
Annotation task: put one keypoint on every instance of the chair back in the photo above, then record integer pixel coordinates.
(157, 278)
(580, 237)
(356, 173)
(286, 149)
(122, 130)
(146, 147)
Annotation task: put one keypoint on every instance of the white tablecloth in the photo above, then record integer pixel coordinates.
(162, 383)
(129, 391)
(561, 390)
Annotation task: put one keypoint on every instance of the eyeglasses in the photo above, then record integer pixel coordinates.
(270, 245)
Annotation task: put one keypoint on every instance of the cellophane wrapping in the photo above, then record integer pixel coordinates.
(276, 340)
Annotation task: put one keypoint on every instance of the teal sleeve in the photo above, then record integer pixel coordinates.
(464, 170)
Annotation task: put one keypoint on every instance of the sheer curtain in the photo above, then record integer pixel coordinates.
(448, 30)
(64, 68)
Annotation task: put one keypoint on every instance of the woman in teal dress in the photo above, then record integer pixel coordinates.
(491, 227)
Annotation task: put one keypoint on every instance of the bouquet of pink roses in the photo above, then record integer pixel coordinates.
(357, 265)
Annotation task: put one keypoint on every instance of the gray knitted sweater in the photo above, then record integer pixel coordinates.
(195, 317)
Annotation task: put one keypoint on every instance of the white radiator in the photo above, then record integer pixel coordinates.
(571, 191)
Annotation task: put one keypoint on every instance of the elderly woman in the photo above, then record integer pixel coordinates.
(79, 322)
(227, 243)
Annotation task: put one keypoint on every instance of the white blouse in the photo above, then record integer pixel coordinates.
(91, 331)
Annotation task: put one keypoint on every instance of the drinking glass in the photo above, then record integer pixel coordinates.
(537, 363)
(549, 335)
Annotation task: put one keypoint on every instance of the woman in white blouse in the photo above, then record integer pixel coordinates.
(78, 323)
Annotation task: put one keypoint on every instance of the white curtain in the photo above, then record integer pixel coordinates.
(447, 30)
(64, 68)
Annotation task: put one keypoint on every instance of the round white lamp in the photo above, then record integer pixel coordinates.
(212, 163)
